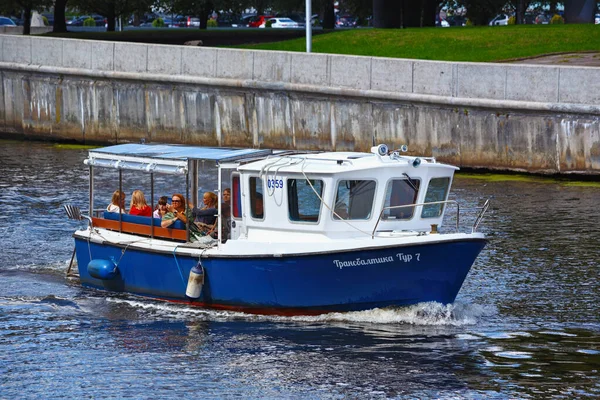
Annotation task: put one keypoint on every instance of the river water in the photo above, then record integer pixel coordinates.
(526, 323)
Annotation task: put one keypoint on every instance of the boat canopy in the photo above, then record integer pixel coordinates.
(164, 158)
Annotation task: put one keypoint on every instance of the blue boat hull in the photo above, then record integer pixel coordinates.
(288, 285)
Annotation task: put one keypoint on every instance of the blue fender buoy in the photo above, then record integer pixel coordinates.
(102, 269)
(195, 282)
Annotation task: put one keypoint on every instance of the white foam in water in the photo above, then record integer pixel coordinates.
(420, 314)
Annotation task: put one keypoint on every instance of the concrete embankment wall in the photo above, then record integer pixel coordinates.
(515, 117)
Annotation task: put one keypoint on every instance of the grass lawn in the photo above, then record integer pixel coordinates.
(488, 43)
(485, 43)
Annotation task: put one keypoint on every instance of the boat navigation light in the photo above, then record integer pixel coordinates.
(416, 162)
(382, 150)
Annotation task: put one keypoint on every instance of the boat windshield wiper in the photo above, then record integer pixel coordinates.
(410, 182)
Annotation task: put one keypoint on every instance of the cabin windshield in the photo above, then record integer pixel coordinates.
(303, 203)
(437, 191)
(401, 192)
(354, 199)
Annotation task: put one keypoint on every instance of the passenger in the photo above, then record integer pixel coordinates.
(117, 203)
(161, 207)
(139, 205)
(178, 211)
(205, 217)
(227, 196)
(258, 206)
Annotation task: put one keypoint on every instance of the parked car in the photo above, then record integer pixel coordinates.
(192, 22)
(542, 19)
(282, 23)
(258, 21)
(346, 21)
(229, 19)
(5, 21)
(456, 20)
(500, 19)
(597, 19)
(78, 21)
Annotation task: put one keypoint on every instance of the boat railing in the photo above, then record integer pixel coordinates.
(416, 205)
(483, 210)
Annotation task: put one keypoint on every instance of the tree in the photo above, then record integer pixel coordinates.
(26, 7)
(112, 9)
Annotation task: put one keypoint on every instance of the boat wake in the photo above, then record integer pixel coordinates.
(423, 314)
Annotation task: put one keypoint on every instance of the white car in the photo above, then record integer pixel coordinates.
(597, 19)
(501, 19)
(282, 23)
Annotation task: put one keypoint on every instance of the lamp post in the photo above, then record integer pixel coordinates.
(308, 26)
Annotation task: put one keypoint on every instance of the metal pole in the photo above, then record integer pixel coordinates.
(308, 26)
(91, 191)
(152, 204)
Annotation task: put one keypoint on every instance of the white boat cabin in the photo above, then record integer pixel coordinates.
(336, 195)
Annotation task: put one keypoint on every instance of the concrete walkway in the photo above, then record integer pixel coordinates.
(588, 59)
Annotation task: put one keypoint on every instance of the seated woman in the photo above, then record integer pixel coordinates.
(178, 211)
(161, 207)
(117, 203)
(205, 217)
(139, 205)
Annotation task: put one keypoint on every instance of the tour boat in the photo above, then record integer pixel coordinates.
(303, 233)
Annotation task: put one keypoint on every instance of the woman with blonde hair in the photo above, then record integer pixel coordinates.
(139, 205)
(206, 216)
(117, 203)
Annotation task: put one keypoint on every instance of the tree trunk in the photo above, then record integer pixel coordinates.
(26, 20)
(60, 25)
(206, 9)
(388, 13)
(411, 13)
(520, 12)
(110, 19)
(328, 15)
(428, 12)
(579, 11)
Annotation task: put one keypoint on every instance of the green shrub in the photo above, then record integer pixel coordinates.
(211, 23)
(512, 20)
(269, 24)
(46, 23)
(158, 23)
(89, 22)
(557, 19)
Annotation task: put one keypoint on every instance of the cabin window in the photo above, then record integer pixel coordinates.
(256, 198)
(354, 199)
(401, 192)
(236, 197)
(437, 191)
(303, 203)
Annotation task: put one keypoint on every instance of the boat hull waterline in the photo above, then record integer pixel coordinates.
(393, 275)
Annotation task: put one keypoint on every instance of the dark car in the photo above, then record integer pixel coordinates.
(456, 20)
(229, 19)
(5, 21)
(78, 21)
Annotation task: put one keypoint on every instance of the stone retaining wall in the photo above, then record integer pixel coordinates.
(517, 117)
